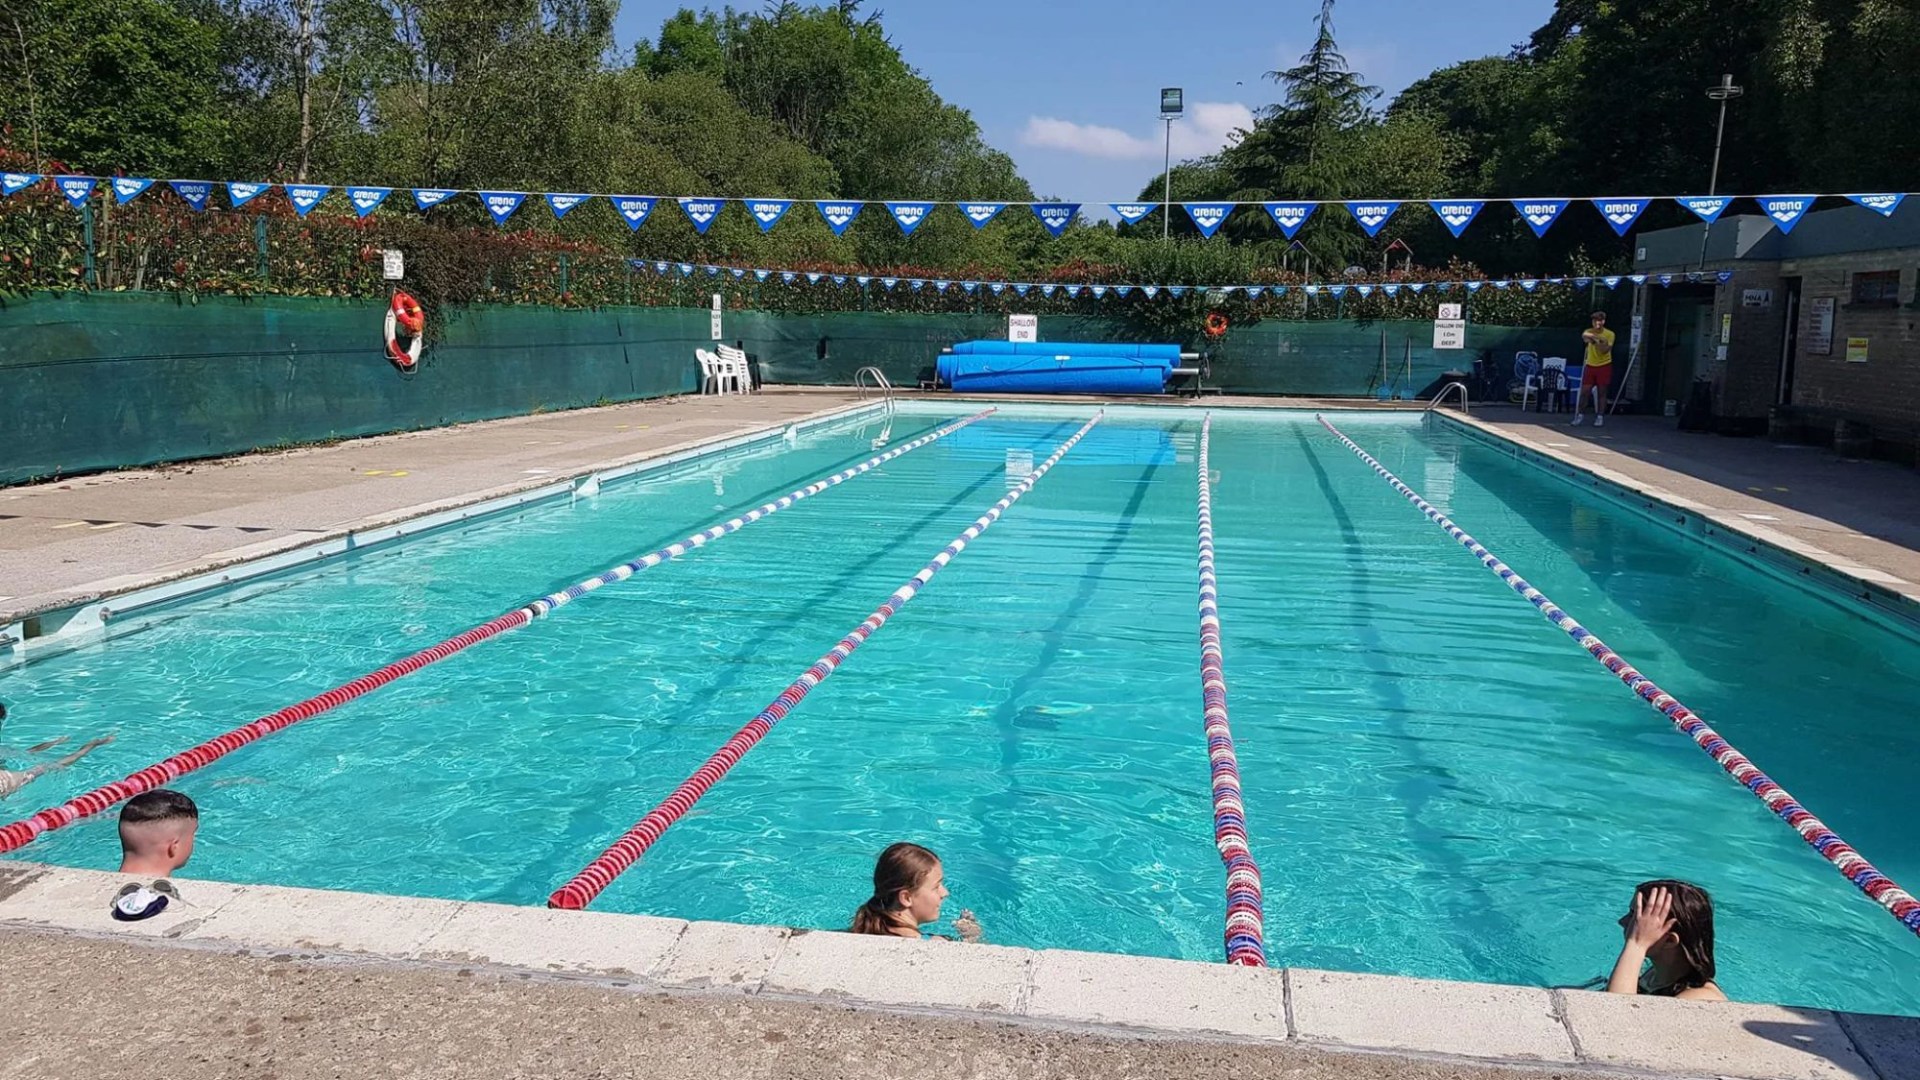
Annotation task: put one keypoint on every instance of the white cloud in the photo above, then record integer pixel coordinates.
(1208, 126)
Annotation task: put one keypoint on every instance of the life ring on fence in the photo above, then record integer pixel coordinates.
(1216, 324)
(406, 329)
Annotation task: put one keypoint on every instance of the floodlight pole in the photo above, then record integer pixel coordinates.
(1723, 93)
(1166, 188)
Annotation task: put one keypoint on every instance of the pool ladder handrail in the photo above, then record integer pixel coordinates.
(885, 390)
(1466, 406)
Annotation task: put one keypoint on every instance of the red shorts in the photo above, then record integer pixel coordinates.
(1600, 375)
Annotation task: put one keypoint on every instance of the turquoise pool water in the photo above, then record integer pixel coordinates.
(1438, 783)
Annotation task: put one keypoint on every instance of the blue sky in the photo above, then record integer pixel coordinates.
(1071, 88)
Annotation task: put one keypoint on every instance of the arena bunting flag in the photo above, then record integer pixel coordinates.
(1621, 212)
(240, 193)
(305, 197)
(1056, 216)
(1705, 207)
(194, 193)
(1457, 214)
(768, 212)
(979, 213)
(1208, 217)
(1289, 215)
(1131, 213)
(502, 204)
(701, 212)
(77, 189)
(14, 181)
(633, 208)
(1372, 215)
(366, 200)
(1540, 214)
(426, 198)
(838, 215)
(128, 188)
(562, 202)
(1786, 210)
(1883, 204)
(909, 215)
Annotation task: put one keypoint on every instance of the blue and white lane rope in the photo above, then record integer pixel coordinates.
(700, 539)
(1245, 928)
(592, 879)
(1851, 864)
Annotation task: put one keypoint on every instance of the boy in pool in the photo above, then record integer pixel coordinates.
(156, 838)
(12, 780)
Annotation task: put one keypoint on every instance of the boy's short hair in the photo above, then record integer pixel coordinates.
(160, 804)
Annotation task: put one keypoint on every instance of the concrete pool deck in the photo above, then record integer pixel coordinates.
(262, 980)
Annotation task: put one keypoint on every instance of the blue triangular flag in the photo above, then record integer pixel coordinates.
(128, 188)
(1254, 291)
(1457, 214)
(1539, 214)
(768, 212)
(916, 284)
(1529, 284)
(942, 286)
(1048, 290)
(863, 279)
(426, 198)
(813, 278)
(1500, 284)
(1786, 210)
(1073, 292)
(240, 193)
(1706, 207)
(737, 272)
(366, 200)
(1723, 276)
(501, 204)
(1176, 291)
(14, 181)
(970, 286)
(1279, 290)
(1637, 279)
(839, 279)
(1582, 282)
(762, 275)
(1337, 290)
(194, 193)
(1417, 287)
(1208, 217)
(1099, 291)
(1611, 281)
(1883, 204)
(701, 212)
(1290, 215)
(633, 208)
(979, 213)
(1363, 290)
(838, 215)
(1390, 290)
(1475, 286)
(305, 197)
(661, 268)
(562, 202)
(1372, 215)
(1056, 216)
(1121, 291)
(1664, 279)
(786, 277)
(889, 282)
(712, 271)
(1621, 212)
(1311, 290)
(909, 215)
(1150, 291)
(686, 269)
(77, 189)
(1132, 212)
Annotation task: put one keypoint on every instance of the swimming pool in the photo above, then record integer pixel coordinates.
(1437, 782)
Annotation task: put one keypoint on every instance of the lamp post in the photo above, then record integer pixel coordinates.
(1723, 93)
(1172, 102)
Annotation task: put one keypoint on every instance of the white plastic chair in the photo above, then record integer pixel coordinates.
(713, 372)
(733, 366)
(1552, 377)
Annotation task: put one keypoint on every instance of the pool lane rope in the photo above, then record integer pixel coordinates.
(20, 833)
(594, 878)
(1851, 864)
(1245, 930)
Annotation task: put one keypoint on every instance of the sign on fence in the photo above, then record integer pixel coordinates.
(1023, 328)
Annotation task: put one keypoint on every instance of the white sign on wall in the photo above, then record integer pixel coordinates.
(1023, 328)
(716, 317)
(1820, 326)
(1757, 298)
(393, 266)
(1449, 333)
(1450, 312)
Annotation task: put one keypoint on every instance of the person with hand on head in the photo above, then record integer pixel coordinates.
(157, 829)
(909, 886)
(1671, 924)
(1597, 375)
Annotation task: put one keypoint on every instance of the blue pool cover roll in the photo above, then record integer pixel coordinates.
(1058, 367)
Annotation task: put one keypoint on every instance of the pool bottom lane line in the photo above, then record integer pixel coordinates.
(1245, 923)
(22, 832)
(1851, 864)
(594, 878)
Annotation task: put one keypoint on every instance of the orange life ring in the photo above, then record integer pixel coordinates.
(406, 328)
(1216, 324)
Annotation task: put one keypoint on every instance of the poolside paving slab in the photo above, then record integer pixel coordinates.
(569, 942)
(1167, 995)
(909, 974)
(318, 920)
(1508, 1023)
(81, 900)
(723, 956)
(1890, 1044)
(1713, 1038)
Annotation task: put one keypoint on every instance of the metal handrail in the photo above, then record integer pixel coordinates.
(1465, 405)
(880, 384)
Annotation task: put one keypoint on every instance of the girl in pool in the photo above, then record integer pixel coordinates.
(908, 888)
(1670, 923)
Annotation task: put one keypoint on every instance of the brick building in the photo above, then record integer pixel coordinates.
(1817, 327)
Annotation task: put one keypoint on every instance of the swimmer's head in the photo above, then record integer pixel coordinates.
(908, 888)
(1689, 945)
(156, 832)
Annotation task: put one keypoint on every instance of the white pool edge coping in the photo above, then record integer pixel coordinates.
(1105, 994)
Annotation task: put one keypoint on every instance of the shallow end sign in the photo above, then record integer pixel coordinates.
(1450, 329)
(1023, 328)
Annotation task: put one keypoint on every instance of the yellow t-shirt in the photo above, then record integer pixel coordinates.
(1596, 358)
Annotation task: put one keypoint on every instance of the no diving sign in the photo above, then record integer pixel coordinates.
(1450, 329)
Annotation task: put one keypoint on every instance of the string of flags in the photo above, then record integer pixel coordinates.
(1372, 215)
(1150, 292)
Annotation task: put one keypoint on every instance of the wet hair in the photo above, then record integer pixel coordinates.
(1597, 315)
(1693, 924)
(902, 866)
(160, 804)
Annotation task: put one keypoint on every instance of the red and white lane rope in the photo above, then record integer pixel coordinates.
(22, 832)
(1854, 866)
(1246, 931)
(624, 852)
